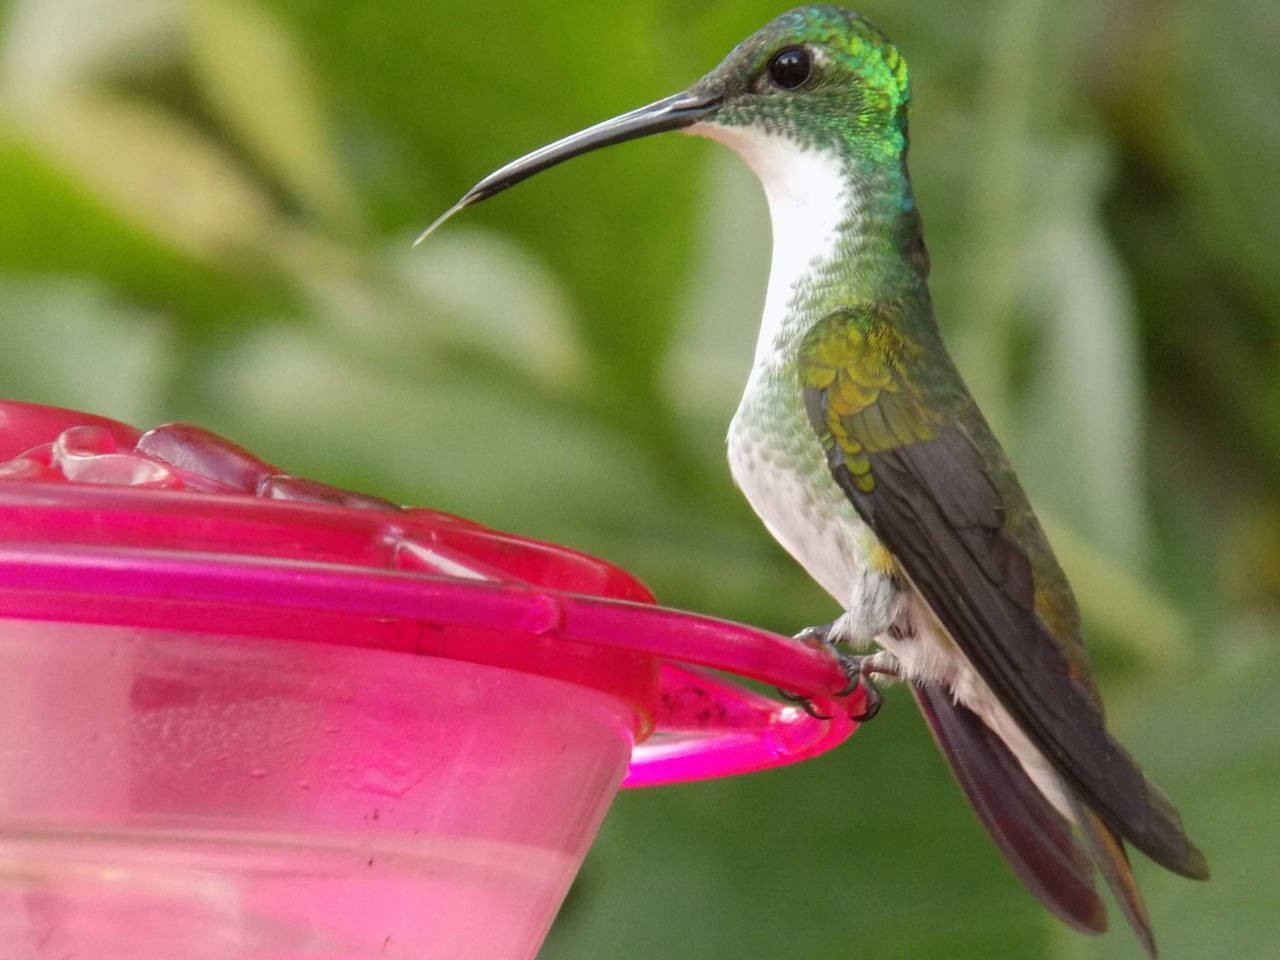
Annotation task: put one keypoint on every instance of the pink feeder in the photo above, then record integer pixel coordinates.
(245, 715)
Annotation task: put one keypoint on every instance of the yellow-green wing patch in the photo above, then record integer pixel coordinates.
(859, 363)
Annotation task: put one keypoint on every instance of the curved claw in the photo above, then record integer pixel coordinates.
(806, 703)
(859, 670)
(852, 672)
(875, 700)
(817, 636)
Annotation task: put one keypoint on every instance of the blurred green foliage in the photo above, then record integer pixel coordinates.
(206, 215)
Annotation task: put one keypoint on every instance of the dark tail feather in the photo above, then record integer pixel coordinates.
(1108, 854)
(1034, 838)
(1163, 839)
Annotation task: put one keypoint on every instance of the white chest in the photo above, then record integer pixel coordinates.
(809, 200)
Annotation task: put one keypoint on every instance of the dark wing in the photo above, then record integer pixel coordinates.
(884, 409)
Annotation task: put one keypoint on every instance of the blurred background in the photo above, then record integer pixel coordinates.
(206, 215)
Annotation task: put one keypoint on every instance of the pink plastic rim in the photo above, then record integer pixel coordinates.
(177, 528)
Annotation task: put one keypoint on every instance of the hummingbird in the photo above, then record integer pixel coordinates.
(860, 447)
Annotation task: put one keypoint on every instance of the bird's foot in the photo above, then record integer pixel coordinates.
(857, 669)
(804, 702)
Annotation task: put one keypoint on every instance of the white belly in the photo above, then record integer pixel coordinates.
(782, 474)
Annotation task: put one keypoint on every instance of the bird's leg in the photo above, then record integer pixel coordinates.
(876, 607)
(857, 669)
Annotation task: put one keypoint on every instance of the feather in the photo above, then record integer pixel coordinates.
(1036, 840)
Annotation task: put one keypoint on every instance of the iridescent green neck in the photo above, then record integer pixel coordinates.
(880, 252)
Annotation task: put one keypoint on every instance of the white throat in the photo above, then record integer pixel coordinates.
(808, 199)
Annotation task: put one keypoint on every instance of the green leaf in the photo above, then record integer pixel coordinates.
(52, 224)
(1127, 611)
(53, 44)
(711, 352)
(1227, 131)
(69, 344)
(1081, 428)
(155, 170)
(440, 437)
(257, 81)
(526, 320)
(1210, 736)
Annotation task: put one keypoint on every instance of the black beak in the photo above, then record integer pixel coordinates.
(670, 113)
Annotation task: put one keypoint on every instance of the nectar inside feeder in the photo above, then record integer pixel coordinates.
(247, 715)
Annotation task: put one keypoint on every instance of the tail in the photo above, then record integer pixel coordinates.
(1035, 839)
(1113, 862)
(1160, 834)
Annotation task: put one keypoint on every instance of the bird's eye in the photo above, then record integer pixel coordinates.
(790, 67)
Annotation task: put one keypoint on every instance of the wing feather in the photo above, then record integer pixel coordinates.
(933, 502)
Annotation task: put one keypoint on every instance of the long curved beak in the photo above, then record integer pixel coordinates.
(670, 113)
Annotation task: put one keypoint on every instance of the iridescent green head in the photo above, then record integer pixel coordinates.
(820, 77)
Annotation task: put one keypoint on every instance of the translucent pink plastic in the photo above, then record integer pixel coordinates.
(247, 715)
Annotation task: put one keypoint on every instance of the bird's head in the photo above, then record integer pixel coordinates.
(817, 78)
